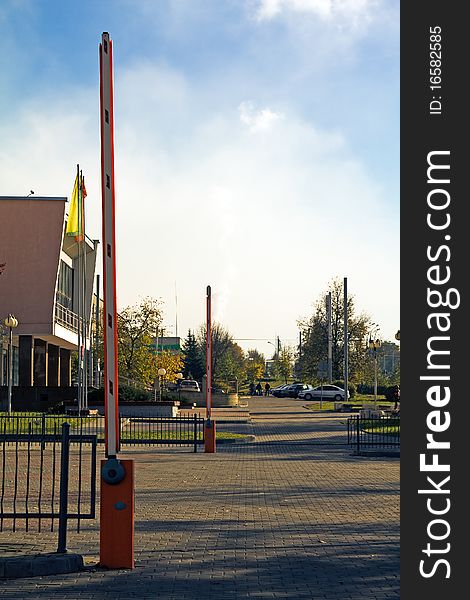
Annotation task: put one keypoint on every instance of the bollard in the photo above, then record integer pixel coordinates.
(117, 514)
(209, 436)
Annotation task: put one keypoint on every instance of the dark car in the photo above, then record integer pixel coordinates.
(292, 390)
(277, 391)
(217, 390)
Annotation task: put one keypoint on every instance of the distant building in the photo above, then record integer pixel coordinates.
(38, 285)
(171, 344)
(270, 366)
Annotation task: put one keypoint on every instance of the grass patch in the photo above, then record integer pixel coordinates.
(381, 426)
(358, 400)
(315, 405)
(129, 434)
(369, 399)
(225, 435)
(34, 423)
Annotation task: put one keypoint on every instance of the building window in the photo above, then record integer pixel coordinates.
(64, 294)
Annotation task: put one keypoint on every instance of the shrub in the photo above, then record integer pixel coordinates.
(364, 388)
(132, 394)
(351, 387)
(126, 393)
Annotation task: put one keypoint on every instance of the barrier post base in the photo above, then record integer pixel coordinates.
(209, 436)
(117, 520)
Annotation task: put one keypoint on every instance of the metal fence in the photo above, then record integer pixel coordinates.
(66, 317)
(182, 430)
(46, 477)
(374, 432)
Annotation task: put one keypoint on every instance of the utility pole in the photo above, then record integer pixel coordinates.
(330, 341)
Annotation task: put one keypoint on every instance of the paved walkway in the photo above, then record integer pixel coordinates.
(292, 515)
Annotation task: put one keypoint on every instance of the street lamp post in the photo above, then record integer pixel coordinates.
(374, 345)
(179, 377)
(11, 322)
(161, 374)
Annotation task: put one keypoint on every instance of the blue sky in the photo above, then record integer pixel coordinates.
(277, 121)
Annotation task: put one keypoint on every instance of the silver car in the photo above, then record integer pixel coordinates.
(188, 385)
(329, 392)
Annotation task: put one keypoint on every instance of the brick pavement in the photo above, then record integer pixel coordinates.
(283, 517)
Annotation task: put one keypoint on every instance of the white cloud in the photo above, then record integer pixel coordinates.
(257, 120)
(350, 12)
(202, 200)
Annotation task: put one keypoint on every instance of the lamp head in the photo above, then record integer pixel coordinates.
(11, 321)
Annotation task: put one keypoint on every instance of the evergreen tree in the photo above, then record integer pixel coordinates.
(194, 363)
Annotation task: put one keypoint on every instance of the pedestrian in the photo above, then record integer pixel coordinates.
(396, 396)
(252, 389)
(267, 387)
(259, 390)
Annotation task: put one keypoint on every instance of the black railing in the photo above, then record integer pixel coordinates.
(182, 430)
(43, 477)
(374, 432)
(66, 317)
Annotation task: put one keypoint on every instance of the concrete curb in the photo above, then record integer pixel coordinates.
(34, 565)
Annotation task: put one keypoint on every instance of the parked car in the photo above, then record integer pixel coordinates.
(327, 392)
(188, 385)
(292, 390)
(217, 390)
(277, 390)
(288, 390)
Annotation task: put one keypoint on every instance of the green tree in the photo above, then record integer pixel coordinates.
(232, 364)
(315, 337)
(227, 357)
(285, 359)
(255, 365)
(388, 364)
(137, 326)
(172, 362)
(194, 362)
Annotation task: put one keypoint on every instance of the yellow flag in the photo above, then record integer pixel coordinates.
(74, 223)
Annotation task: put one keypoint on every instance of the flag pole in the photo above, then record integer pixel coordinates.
(79, 312)
(84, 308)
